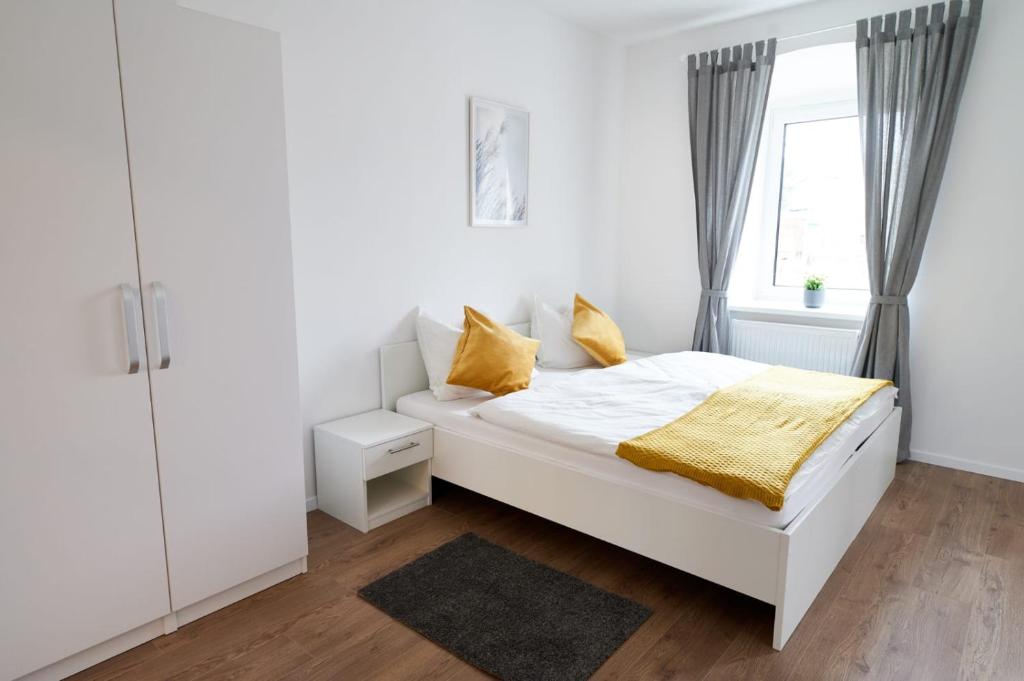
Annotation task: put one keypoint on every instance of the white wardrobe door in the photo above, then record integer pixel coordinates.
(81, 543)
(204, 112)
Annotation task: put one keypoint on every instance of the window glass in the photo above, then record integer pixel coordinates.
(820, 226)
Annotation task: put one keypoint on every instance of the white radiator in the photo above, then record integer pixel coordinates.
(803, 347)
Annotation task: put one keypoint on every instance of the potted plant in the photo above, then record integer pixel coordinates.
(814, 291)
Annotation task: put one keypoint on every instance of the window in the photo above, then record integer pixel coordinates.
(806, 210)
(820, 225)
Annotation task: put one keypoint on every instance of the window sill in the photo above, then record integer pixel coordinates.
(832, 314)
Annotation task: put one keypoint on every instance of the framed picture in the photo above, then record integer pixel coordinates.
(499, 164)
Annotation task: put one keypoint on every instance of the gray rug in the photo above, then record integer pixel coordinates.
(505, 614)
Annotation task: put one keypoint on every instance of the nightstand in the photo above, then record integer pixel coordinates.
(372, 468)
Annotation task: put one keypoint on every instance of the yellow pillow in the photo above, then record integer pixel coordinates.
(492, 357)
(597, 333)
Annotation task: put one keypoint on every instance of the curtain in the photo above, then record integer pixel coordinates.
(911, 69)
(728, 92)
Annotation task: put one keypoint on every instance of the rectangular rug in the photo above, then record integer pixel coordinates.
(505, 614)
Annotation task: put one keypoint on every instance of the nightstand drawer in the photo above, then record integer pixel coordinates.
(399, 453)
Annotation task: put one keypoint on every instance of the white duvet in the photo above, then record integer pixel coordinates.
(595, 410)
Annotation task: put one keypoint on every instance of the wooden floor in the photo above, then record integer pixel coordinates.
(933, 589)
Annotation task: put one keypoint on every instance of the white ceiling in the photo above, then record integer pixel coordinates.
(632, 20)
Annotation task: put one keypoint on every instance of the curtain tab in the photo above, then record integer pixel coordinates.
(748, 55)
(920, 22)
(737, 58)
(888, 300)
(974, 11)
(903, 30)
(876, 29)
(890, 26)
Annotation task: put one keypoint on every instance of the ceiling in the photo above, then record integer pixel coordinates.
(632, 20)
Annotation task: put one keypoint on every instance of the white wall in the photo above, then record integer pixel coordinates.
(967, 318)
(376, 109)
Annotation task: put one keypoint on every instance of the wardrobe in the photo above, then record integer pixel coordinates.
(150, 442)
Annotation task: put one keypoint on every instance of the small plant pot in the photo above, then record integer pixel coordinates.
(814, 298)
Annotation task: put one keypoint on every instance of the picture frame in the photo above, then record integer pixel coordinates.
(499, 164)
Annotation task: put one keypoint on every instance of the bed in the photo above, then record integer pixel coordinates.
(780, 557)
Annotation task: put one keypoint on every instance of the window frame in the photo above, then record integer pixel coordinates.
(778, 118)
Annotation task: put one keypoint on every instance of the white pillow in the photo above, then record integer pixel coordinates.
(553, 328)
(437, 345)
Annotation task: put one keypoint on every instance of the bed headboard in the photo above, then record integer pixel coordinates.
(402, 371)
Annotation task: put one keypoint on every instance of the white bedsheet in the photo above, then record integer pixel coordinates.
(571, 435)
(595, 411)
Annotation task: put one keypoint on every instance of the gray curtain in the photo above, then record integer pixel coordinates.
(911, 69)
(728, 95)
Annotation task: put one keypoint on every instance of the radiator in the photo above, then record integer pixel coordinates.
(803, 347)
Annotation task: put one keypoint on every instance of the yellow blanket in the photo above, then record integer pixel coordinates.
(749, 440)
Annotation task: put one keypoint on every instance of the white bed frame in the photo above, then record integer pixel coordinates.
(786, 568)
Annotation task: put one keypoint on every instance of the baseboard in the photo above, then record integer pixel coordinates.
(191, 613)
(1004, 472)
(311, 504)
(91, 656)
(165, 625)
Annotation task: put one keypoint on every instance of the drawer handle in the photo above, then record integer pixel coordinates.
(402, 449)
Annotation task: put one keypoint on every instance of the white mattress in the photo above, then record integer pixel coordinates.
(577, 419)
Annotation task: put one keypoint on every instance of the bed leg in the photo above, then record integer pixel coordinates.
(784, 627)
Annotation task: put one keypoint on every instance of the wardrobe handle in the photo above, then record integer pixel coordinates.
(160, 306)
(131, 329)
